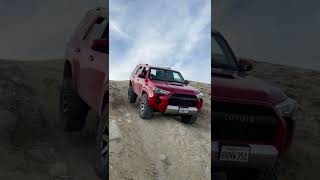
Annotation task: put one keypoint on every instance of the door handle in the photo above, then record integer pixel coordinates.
(91, 58)
(76, 50)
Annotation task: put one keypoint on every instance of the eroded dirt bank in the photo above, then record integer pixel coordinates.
(32, 142)
(160, 148)
(33, 145)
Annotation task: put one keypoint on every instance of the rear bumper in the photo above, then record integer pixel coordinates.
(261, 156)
(175, 110)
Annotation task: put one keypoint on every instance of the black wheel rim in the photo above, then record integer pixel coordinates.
(142, 106)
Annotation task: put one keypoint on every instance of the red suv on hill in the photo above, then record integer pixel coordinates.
(85, 79)
(252, 121)
(164, 90)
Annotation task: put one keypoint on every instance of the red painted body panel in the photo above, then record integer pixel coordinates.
(147, 85)
(240, 88)
(89, 67)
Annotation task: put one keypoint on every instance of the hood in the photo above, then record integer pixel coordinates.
(176, 87)
(231, 84)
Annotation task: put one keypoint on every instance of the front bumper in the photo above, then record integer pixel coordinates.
(160, 103)
(175, 110)
(261, 156)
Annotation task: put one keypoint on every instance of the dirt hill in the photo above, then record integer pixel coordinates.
(33, 145)
(160, 148)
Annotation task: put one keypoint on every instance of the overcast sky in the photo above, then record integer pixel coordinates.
(166, 33)
(285, 32)
(39, 29)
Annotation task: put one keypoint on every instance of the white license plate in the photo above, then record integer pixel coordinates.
(183, 110)
(234, 153)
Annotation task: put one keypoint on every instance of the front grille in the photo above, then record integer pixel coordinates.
(183, 100)
(238, 122)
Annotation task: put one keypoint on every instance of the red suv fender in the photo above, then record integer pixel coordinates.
(74, 67)
(146, 90)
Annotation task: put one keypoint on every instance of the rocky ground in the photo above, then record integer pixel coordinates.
(33, 145)
(160, 148)
(32, 142)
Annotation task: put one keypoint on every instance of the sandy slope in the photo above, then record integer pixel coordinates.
(33, 145)
(160, 148)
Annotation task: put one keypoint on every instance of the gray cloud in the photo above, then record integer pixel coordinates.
(39, 29)
(285, 32)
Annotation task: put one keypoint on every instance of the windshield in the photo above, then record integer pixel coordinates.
(166, 75)
(222, 56)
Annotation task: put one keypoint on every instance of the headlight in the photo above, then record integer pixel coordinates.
(200, 95)
(161, 91)
(287, 107)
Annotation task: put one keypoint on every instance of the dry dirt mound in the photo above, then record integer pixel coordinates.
(33, 145)
(160, 148)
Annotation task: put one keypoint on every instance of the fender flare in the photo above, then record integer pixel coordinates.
(75, 72)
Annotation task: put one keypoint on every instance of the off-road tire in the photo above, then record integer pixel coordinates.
(146, 111)
(103, 146)
(189, 119)
(73, 109)
(132, 97)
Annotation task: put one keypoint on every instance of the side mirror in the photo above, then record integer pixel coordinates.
(100, 45)
(245, 64)
(186, 82)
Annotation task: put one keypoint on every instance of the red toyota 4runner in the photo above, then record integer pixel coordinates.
(85, 79)
(164, 90)
(252, 120)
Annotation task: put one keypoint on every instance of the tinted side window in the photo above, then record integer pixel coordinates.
(153, 73)
(139, 70)
(106, 32)
(79, 29)
(144, 71)
(96, 30)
